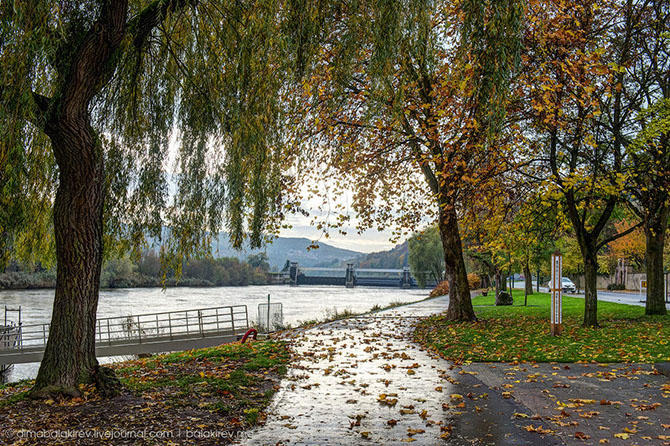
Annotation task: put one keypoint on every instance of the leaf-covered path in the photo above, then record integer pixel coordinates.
(361, 380)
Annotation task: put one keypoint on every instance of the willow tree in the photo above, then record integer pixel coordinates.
(129, 117)
(412, 125)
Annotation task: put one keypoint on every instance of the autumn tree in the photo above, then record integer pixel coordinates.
(638, 115)
(92, 94)
(631, 247)
(570, 71)
(487, 232)
(532, 232)
(412, 126)
(486, 241)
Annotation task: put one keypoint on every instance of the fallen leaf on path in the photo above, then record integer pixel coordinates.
(582, 436)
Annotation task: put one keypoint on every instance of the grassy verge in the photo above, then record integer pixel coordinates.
(519, 333)
(208, 396)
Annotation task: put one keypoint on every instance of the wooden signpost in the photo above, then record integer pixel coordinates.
(556, 289)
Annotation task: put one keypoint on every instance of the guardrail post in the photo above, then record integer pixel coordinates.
(44, 334)
(109, 333)
(139, 329)
(170, 324)
(218, 328)
(232, 320)
(186, 321)
(202, 333)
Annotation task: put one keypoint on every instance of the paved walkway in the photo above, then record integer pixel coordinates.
(361, 381)
(617, 404)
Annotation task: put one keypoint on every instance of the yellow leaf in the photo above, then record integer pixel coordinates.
(415, 431)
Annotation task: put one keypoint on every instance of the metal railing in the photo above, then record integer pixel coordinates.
(144, 328)
(10, 336)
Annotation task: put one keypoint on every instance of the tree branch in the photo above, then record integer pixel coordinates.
(141, 26)
(619, 235)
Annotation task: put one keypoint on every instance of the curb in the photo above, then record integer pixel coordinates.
(663, 368)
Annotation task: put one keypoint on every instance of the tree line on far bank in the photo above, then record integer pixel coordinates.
(146, 271)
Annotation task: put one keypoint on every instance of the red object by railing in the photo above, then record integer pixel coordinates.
(250, 332)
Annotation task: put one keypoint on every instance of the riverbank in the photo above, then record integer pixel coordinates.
(46, 280)
(207, 397)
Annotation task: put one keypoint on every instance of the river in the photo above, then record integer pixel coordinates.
(300, 303)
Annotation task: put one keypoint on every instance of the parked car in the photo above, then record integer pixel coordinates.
(567, 285)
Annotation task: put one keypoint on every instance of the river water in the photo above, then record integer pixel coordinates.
(300, 303)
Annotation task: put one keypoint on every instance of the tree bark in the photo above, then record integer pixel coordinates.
(589, 256)
(528, 278)
(501, 281)
(69, 357)
(460, 304)
(654, 230)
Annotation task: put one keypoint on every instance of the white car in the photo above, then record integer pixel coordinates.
(567, 285)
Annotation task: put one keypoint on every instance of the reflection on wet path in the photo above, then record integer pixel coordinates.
(361, 380)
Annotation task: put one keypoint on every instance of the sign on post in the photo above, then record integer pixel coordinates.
(643, 290)
(556, 293)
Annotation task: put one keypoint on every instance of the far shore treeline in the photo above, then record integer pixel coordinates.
(146, 271)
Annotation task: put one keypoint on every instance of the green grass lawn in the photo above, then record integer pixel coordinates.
(520, 333)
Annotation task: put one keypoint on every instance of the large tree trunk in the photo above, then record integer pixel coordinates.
(460, 303)
(655, 236)
(590, 258)
(69, 358)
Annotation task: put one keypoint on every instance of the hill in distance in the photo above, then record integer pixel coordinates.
(294, 249)
(395, 258)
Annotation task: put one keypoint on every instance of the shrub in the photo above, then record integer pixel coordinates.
(474, 280)
(616, 286)
(441, 289)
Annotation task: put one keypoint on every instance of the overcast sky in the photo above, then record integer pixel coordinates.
(369, 241)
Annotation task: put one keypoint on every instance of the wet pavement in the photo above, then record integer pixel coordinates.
(589, 404)
(362, 381)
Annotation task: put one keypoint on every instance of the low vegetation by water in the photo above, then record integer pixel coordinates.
(146, 271)
(522, 333)
(206, 396)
